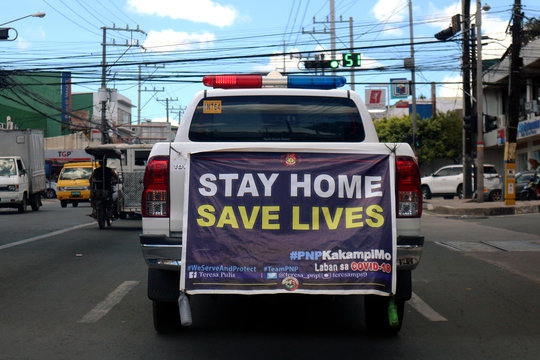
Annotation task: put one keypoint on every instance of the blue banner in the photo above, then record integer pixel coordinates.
(272, 222)
(66, 100)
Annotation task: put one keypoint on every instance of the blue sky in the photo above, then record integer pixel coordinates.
(185, 39)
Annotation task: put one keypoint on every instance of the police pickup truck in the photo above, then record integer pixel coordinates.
(278, 184)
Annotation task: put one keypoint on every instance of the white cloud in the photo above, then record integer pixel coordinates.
(452, 90)
(275, 63)
(390, 12)
(22, 44)
(492, 26)
(170, 40)
(202, 11)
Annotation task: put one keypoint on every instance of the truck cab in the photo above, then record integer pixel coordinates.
(13, 183)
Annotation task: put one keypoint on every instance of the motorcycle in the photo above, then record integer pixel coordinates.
(531, 191)
(104, 187)
(104, 207)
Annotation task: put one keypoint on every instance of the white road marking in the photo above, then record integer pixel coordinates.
(424, 309)
(110, 301)
(44, 236)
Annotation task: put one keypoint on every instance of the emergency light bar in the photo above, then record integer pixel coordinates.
(273, 80)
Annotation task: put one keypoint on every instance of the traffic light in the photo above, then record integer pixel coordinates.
(321, 64)
(350, 59)
(470, 123)
(451, 31)
(490, 123)
(418, 141)
(4, 33)
(445, 34)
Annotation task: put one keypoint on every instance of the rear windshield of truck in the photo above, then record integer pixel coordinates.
(276, 118)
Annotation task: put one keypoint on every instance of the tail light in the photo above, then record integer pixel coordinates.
(155, 196)
(409, 195)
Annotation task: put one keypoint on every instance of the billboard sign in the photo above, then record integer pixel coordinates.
(270, 222)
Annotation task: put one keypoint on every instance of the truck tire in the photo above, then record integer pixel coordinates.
(63, 203)
(35, 201)
(166, 316)
(22, 207)
(376, 312)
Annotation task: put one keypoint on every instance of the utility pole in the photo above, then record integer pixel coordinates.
(332, 22)
(513, 107)
(180, 112)
(351, 42)
(479, 107)
(332, 33)
(413, 80)
(139, 107)
(167, 104)
(467, 111)
(139, 98)
(103, 93)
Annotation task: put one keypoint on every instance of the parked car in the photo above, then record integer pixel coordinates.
(50, 189)
(448, 182)
(522, 182)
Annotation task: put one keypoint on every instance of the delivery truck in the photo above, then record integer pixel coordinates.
(22, 169)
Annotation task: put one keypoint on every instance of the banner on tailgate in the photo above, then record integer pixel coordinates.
(278, 222)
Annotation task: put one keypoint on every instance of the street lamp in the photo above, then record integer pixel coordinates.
(479, 105)
(38, 14)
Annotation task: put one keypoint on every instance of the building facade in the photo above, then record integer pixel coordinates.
(36, 100)
(496, 80)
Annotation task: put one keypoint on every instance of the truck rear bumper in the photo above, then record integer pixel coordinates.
(163, 252)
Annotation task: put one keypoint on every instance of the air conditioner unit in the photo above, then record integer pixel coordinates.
(501, 121)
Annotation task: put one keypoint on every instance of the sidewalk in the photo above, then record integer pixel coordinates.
(458, 206)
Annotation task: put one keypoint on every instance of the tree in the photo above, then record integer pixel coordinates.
(531, 30)
(441, 135)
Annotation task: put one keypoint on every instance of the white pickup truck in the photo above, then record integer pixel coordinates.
(279, 184)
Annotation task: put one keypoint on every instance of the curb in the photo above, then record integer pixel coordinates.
(483, 211)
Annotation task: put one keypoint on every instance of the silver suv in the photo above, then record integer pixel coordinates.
(448, 182)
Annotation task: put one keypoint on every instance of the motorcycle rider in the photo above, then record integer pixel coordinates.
(104, 178)
(532, 187)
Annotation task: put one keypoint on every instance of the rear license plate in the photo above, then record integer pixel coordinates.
(75, 193)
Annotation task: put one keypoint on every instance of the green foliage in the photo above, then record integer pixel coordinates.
(441, 135)
(531, 30)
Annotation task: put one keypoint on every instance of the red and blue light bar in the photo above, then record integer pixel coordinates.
(273, 80)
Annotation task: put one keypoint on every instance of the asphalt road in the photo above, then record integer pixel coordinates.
(81, 294)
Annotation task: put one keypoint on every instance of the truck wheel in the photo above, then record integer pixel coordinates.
(34, 203)
(376, 312)
(63, 203)
(166, 316)
(22, 207)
